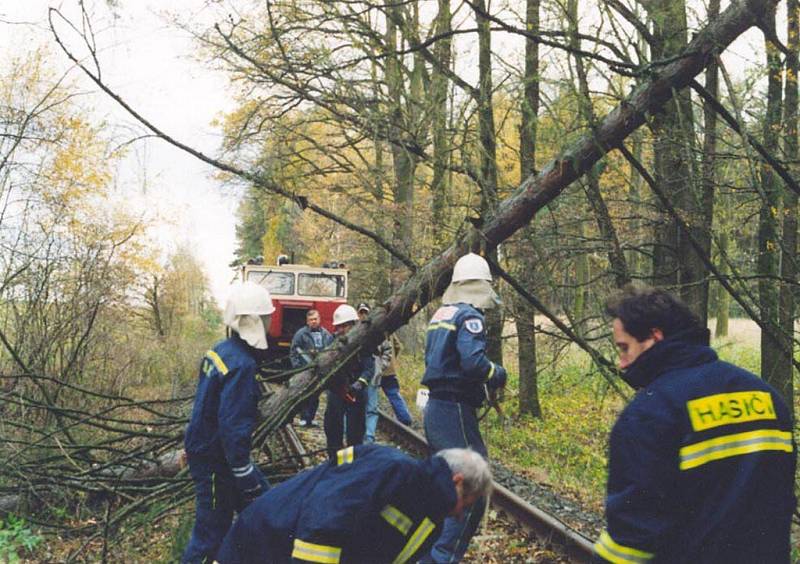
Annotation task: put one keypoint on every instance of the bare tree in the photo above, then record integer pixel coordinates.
(524, 315)
(676, 262)
(768, 226)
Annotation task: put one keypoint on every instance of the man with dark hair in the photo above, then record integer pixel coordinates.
(370, 504)
(306, 344)
(701, 462)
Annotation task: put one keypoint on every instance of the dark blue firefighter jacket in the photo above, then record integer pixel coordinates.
(373, 504)
(701, 463)
(455, 355)
(225, 408)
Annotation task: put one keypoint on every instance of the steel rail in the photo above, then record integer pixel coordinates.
(541, 524)
(294, 444)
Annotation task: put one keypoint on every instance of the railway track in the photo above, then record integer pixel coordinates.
(292, 443)
(544, 526)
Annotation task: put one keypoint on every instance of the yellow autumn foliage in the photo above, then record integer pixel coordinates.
(79, 167)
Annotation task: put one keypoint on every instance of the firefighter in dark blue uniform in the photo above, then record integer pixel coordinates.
(217, 440)
(458, 373)
(371, 504)
(347, 393)
(701, 462)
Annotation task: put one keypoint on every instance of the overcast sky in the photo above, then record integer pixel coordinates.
(149, 62)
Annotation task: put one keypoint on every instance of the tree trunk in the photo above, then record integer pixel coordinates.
(581, 284)
(636, 261)
(768, 244)
(785, 370)
(675, 261)
(723, 299)
(488, 164)
(616, 258)
(526, 343)
(440, 185)
(708, 176)
(383, 261)
(525, 313)
(404, 162)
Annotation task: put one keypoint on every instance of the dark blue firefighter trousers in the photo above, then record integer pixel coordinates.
(449, 424)
(216, 499)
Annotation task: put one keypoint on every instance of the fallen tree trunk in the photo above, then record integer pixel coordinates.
(430, 281)
(10, 504)
(165, 466)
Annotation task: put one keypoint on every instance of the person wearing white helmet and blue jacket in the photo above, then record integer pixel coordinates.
(345, 414)
(218, 438)
(458, 372)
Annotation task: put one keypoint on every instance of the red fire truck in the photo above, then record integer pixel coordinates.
(295, 289)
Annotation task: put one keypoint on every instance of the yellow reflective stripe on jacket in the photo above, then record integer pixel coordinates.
(441, 325)
(311, 552)
(618, 554)
(491, 371)
(698, 454)
(415, 541)
(217, 362)
(344, 456)
(397, 519)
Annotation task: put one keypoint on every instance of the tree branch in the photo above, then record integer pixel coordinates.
(752, 141)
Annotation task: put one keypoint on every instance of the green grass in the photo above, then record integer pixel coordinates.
(566, 448)
(16, 539)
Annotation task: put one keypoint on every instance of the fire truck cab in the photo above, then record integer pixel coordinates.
(295, 289)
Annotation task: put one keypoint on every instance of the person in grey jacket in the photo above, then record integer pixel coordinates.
(306, 344)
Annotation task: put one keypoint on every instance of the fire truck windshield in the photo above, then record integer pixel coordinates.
(278, 283)
(323, 285)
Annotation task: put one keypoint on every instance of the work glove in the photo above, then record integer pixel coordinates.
(250, 482)
(358, 386)
(498, 379)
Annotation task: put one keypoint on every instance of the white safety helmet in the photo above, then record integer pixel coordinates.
(471, 267)
(344, 314)
(247, 304)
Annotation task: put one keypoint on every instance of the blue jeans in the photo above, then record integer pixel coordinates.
(450, 424)
(372, 414)
(391, 388)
